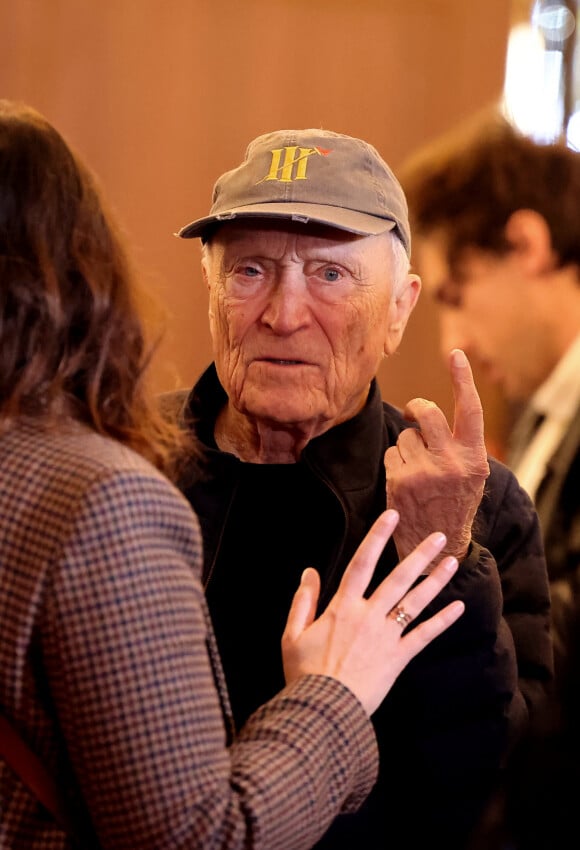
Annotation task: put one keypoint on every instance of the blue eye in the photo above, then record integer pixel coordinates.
(250, 271)
(331, 275)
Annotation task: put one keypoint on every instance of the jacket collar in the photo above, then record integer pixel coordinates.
(348, 458)
(348, 455)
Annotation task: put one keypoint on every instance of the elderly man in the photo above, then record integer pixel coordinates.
(497, 227)
(306, 258)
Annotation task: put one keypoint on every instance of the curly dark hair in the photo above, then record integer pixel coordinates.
(73, 342)
(467, 184)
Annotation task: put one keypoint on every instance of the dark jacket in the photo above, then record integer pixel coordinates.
(537, 808)
(558, 505)
(446, 726)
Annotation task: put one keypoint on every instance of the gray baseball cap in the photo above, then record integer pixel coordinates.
(310, 176)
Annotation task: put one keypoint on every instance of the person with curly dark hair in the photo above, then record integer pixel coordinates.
(497, 244)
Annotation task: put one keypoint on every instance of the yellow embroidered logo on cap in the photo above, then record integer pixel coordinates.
(293, 164)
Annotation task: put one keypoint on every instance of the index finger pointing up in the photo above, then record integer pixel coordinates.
(468, 416)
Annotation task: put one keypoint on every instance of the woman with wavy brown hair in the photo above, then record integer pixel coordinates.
(72, 342)
(110, 683)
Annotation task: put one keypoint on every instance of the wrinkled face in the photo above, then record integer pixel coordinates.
(300, 319)
(489, 310)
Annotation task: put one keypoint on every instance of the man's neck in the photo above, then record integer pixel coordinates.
(259, 442)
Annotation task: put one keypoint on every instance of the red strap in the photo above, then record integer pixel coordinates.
(33, 773)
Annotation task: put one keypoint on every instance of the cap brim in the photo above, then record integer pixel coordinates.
(338, 217)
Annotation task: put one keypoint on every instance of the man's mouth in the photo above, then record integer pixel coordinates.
(282, 362)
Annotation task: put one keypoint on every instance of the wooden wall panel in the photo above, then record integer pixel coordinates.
(160, 97)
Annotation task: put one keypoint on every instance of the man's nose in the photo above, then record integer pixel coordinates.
(287, 308)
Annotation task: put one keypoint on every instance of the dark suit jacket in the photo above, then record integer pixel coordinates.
(558, 505)
(539, 811)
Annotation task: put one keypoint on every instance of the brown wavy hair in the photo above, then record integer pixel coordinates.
(468, 182)
(73, 340)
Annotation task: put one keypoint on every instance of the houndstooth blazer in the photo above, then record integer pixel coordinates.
(108, 667)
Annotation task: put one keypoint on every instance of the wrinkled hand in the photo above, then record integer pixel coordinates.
(359, 641)
(435, 477)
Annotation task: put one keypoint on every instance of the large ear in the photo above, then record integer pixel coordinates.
(529, 235)
(401, 307)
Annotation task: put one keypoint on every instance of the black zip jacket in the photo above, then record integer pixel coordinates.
(446, 727)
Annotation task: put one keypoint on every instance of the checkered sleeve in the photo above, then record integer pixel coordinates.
(125, 643)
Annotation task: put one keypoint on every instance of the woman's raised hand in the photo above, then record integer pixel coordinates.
(364, 642)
